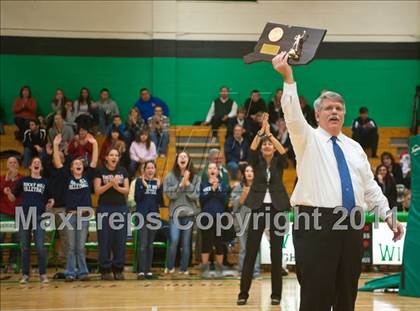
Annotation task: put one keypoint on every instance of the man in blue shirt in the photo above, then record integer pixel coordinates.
(147, 103)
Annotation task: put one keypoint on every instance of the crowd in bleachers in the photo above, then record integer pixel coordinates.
(62, 154)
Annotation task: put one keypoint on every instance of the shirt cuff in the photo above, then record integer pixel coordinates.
(289, 88)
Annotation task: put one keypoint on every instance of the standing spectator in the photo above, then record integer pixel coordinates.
(394, 168)
(80, 146)
(274, 108)
(239, 196)
(141, 150)
(236, 151)
(57, 105)
(365, 131)
(387, 184)
(24, 109)
(35, 194)
(134, 125)
(147, 103)
(213, 195)
(7, 207)
(69, 114)
(253, 105)
(59, 127)
(159, 130)
(242, 121)
(307, 111)
(34, 141)
(112, 186)
(182, 186)
(85, 109)
(146, 195)
(221, 110)
(107, 108)
(78, 186)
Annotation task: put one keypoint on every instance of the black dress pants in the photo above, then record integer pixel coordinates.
(256, 229)
(328, 260)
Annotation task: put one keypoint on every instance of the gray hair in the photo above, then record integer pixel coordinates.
(332, 96)
(213, 151)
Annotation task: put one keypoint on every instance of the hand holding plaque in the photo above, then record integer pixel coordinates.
(300, 42)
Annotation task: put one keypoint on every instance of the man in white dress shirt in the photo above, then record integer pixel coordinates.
(333, 171)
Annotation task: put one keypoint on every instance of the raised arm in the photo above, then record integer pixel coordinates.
(56, 151)
(95, 151)
(298, 127)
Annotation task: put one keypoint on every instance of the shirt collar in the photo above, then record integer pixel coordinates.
(327, 136)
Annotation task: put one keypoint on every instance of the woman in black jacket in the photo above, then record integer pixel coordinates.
(266, 198)
(387, 183)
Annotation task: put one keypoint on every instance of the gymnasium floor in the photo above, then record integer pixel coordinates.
(171, 294)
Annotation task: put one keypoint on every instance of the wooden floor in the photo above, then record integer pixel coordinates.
(171, 294)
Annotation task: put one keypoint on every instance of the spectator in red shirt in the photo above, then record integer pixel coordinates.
(24, 109)
(80, 146)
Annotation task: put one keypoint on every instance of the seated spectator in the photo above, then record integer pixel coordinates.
(282, 135)
(159, 130)
(394, 168)
(134, 125)
(142, 149)
(117, 122)
(215, 156)
(147, 103)
(308, 112)
(24, 109)
(365, 131)
(242, 121)
(65, 130)
(57, 105)
(34, 141)
(221, 110)
(69, 114)
(256, 125)
(86, 109)
(107, 109)
(236, 151)
(253, 105)
(79, 146)
(387, 184)
(114, 138)
(274, 108)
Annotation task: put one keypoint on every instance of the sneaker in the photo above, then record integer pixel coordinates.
(205, 271)
(24, 279)
(149, 275)
(275, 301)
(69, 278)
(284, 272)
(167, 271)
(241, 301)
(107, 277)
(84, 278)
(219, 271)
(119, 276)
(44, 279)
(257, 276)
(184, 272)
(141, 276)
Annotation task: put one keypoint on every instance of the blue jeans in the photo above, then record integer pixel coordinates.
(175, 234)
(111, 241)
(145, 239)
(242, 252)
(25, 244)
(233, 168)
(161, 141)
(76, 247)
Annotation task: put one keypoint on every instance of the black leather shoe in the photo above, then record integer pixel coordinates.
(275, 302)
(241, 302)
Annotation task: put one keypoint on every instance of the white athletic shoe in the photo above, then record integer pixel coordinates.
(167, 271)
(24, 279)
(44, 279)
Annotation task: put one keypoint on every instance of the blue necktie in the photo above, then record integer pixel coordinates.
(345, 178)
